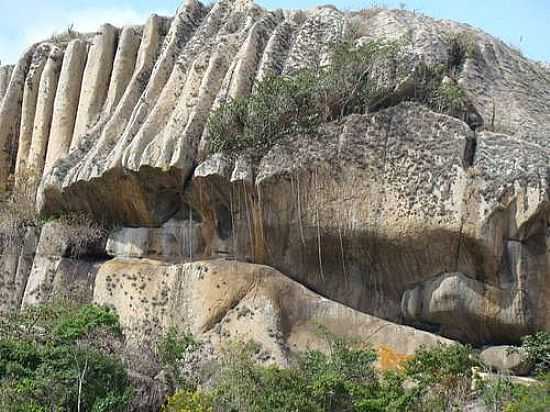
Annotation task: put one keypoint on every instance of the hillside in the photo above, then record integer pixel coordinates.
(401, 223)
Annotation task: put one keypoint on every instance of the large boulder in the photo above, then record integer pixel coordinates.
(219, 300)
(465, 308)
(57, 271)
(506, 359)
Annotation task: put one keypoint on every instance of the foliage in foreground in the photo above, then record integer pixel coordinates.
(58, 357)
(537, 347)
(535, 398)
(344, 379)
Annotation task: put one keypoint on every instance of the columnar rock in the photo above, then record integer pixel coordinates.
(10, 117)
(95, 83)
(123, 66)
(66, 100)
(44, 112)
(5, 77)
(30, 96)
(149, 49)
(16, 260)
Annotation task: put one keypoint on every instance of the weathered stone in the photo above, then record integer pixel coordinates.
(464, 308)
(5, 77)
(56, 274)
(10, 118)
(369, 213)
(175, 240)
(66, 101)
(54, 278)
(95, 82)
(506, 359)
(123, 66)
(219, 299)
(28, 111)
(44, 112)
(16, 259)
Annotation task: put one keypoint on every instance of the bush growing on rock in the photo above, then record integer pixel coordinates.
(344, 379)
(534, 398)
(17, 211)
(460, 46)
(189, 401)
(442, 375)
(280, 106)
(172, 349)
(360, 78)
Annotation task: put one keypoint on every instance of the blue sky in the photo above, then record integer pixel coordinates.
(524, 24)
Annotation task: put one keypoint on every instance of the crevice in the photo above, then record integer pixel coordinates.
(470, 149)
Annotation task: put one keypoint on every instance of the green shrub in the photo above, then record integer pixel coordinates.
(441, 364)
(360, 78)
(189, 401)
(460, 46)
(537, 347)
(337, 381)
(450, 98)
(49, 360)
(172, 348)
(341, 380)
(86, 320)
(280, 106)
(442, 375)
(495, 394)
(533, 398)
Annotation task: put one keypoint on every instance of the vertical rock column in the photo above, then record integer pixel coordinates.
(5, 76)
(44, 111)
(124, 64)
(66, 101)
(28, 109)
(10, 117)
(95, 83)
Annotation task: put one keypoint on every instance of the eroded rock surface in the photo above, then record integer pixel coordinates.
(402, 214)
(220, 300)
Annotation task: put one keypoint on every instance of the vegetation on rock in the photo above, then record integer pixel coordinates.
(18, 214)
(360, 78)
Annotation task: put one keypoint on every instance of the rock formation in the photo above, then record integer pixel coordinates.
(399, 216)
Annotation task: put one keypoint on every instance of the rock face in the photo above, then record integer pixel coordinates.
(220, 300)
(55, 273)
(401, 214)
(5, 76)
